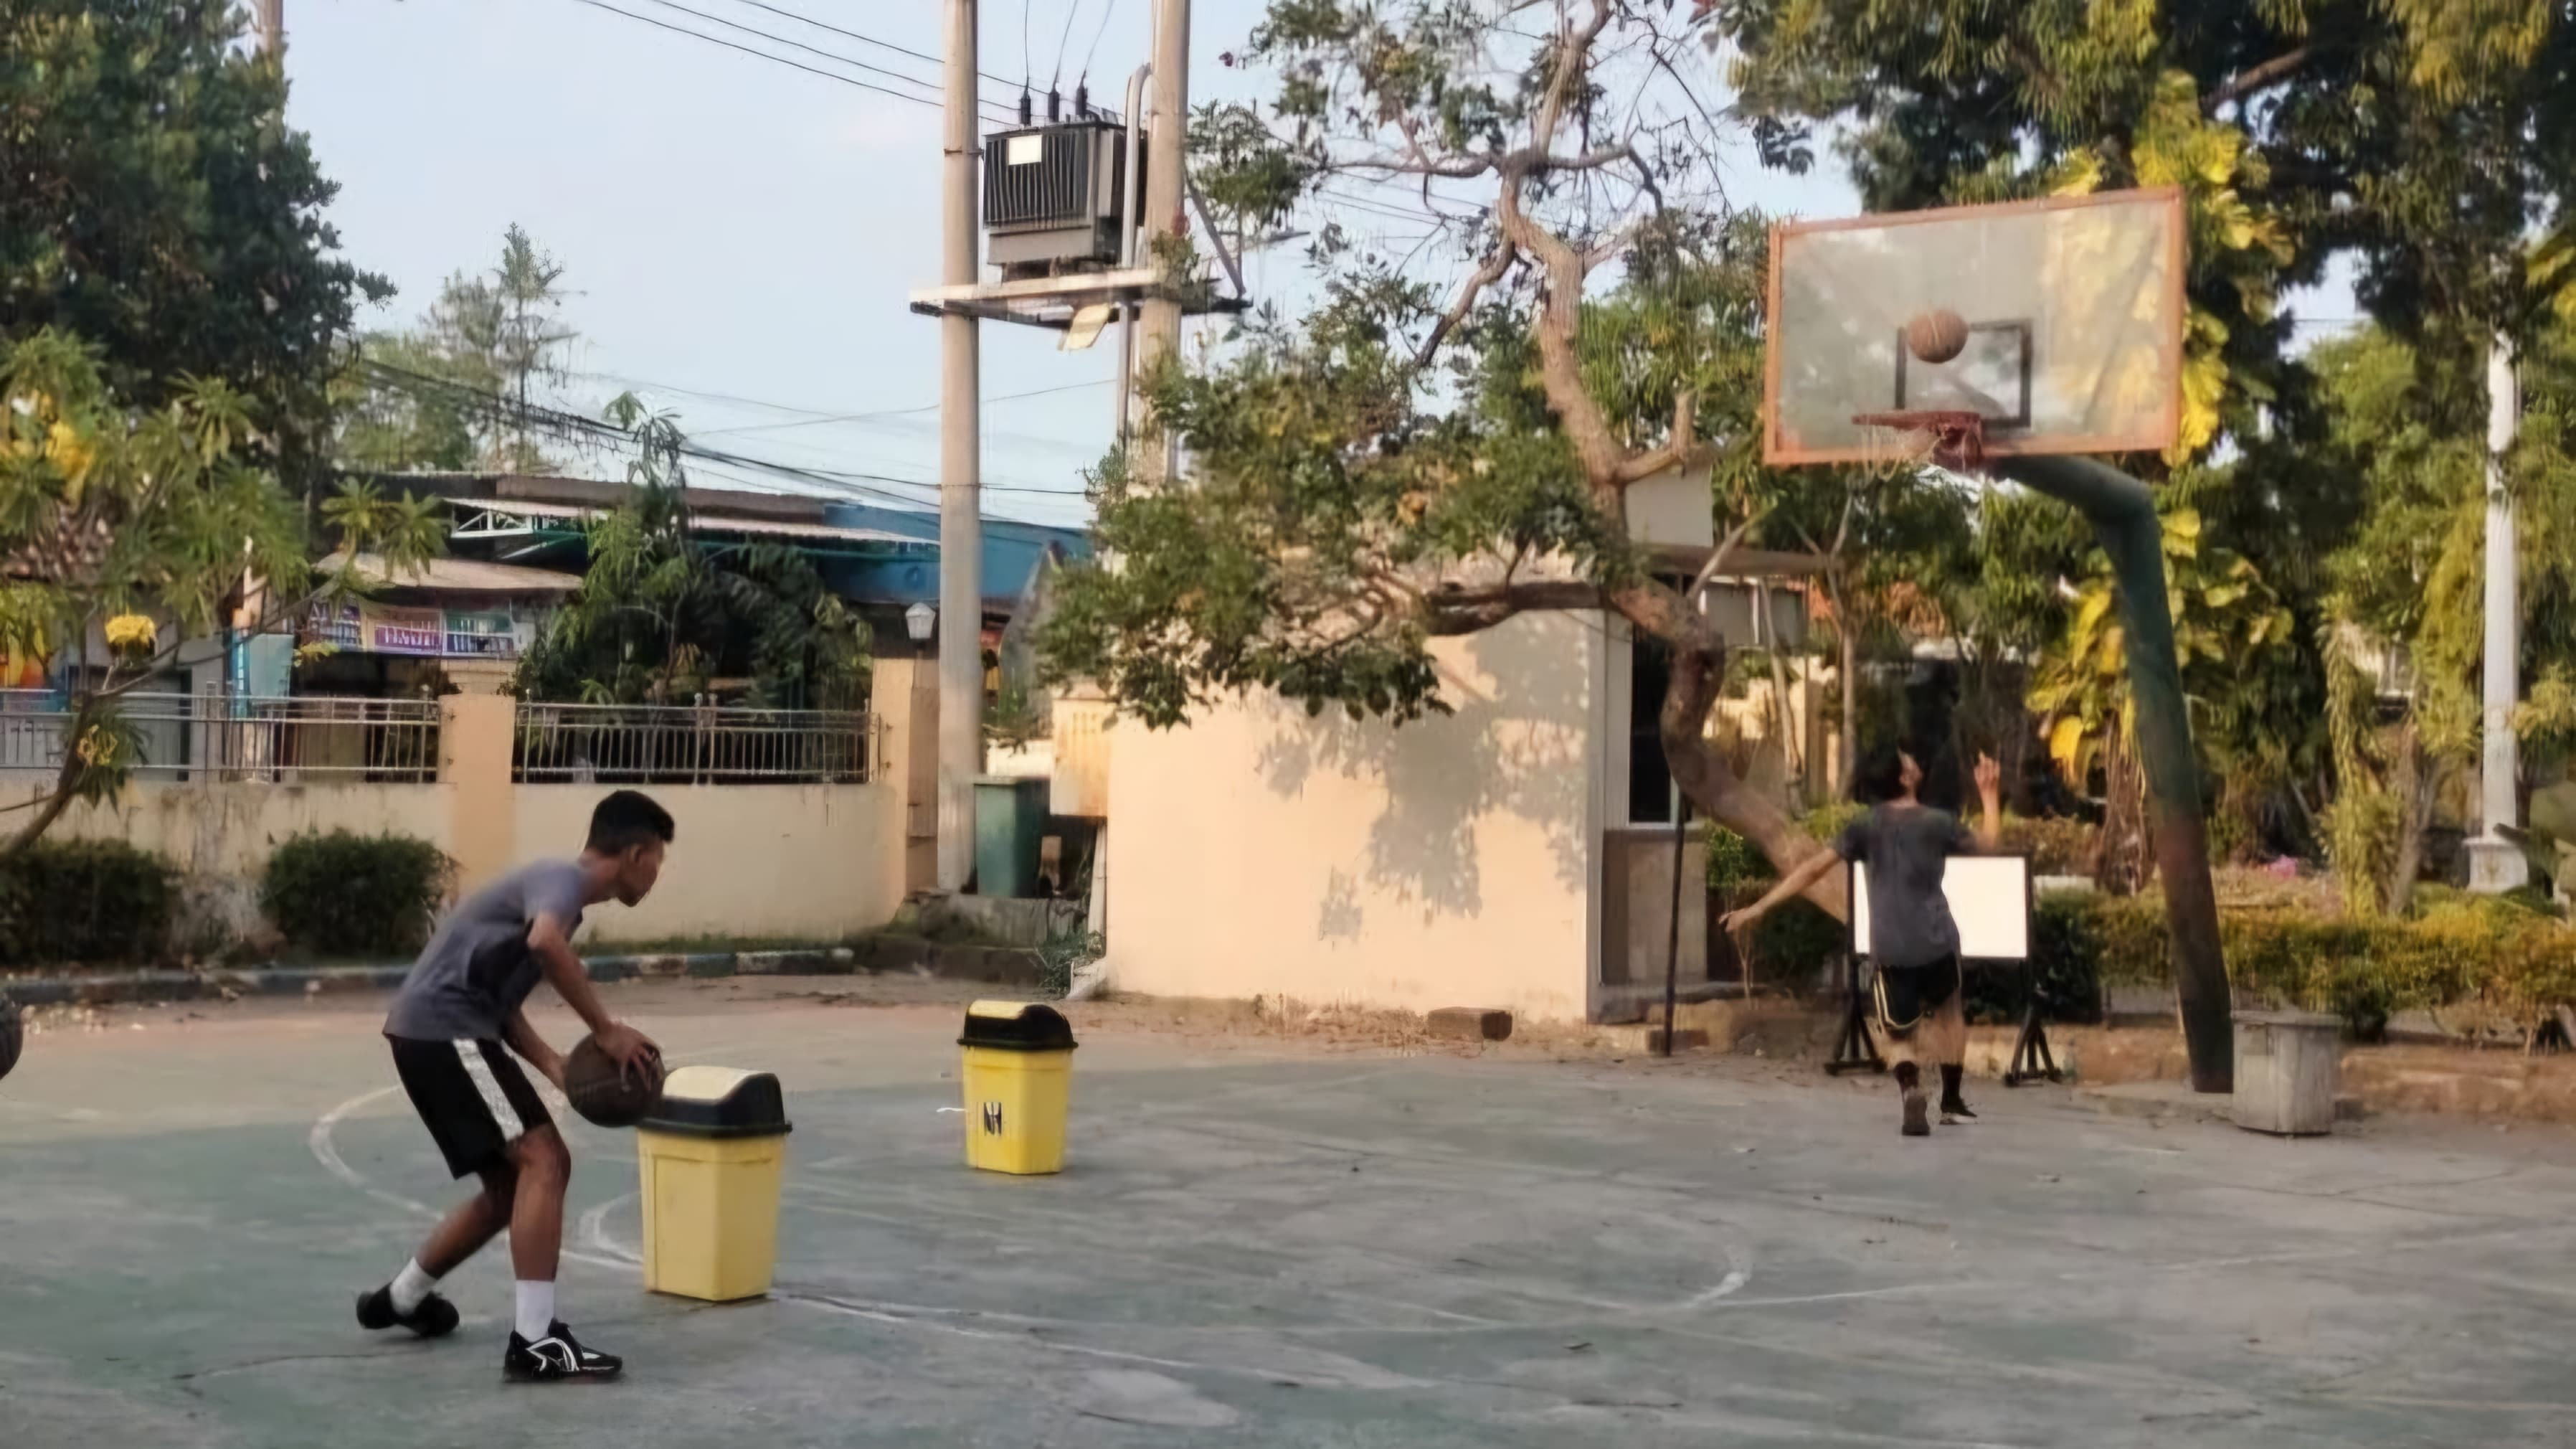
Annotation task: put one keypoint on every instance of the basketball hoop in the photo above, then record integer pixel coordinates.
(1953, 438)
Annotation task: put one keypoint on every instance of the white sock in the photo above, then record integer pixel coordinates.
(410, 1286)
(536, 1309)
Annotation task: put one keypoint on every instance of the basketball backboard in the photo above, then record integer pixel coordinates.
(2073, 324)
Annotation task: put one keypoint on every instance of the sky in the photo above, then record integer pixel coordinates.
(739, 237)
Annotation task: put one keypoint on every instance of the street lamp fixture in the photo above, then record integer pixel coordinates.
(919, 620)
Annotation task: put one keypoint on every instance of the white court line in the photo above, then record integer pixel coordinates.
(327, 1152)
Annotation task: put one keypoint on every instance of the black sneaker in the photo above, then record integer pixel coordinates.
(1917, 1123)
(433, 1317)
(557, 1357)
(1955, 1113)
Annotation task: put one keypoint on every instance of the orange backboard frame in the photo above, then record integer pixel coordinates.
(1780, 447)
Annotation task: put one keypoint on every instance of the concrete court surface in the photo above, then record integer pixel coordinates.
(1265, 1243)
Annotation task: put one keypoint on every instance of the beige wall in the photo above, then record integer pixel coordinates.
(229, 830)
(1448, 862)
(802, 862)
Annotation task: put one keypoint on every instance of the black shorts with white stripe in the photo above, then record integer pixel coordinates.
(472, 1096)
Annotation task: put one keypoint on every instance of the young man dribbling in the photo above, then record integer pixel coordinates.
(461, 1004)
(1913, 941)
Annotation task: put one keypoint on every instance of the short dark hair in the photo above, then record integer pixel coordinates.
(1880, 776)
(626, 819)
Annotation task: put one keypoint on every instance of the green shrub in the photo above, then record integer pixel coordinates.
(355, 895)
(2056, 844)
(89, 901)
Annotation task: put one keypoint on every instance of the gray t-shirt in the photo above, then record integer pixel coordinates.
(477, 968)
(1908, 852)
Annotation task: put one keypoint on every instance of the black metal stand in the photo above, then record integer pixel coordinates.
(1853, 1050)
(2031, 1059)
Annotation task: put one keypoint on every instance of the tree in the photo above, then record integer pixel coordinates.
(141, 519)
(2409, 438)
(158, 207)
(663, 614)
(497, 336)
(1396, 467)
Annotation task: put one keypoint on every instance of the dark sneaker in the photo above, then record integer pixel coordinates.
(1917, 1119)
(435, 1317)
(1954, 1111)
(557, 1357)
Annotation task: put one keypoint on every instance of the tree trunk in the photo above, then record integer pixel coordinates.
(2416, 782)
(1698, 675)
(1792, 756)
(1846, 749)
(55, 804)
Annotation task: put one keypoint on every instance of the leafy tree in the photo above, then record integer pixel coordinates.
(146, 522)
(662, 614)
(2409, 437)
(457, 391)
(158, 207)
(2422, 139)
(1399, 466)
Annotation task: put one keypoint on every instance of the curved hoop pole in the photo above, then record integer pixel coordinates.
(2123, 514)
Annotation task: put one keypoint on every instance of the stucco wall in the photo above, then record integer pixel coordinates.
(1448, 862)
(807, 862)
(230, 829)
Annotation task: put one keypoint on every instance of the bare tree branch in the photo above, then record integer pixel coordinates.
(1490, 272)
(2246, 82)
(1674, 452)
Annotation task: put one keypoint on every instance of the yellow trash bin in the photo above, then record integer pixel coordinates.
(712, 1154)
(1019, 1081)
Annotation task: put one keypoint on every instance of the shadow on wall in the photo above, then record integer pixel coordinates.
(1518, 744)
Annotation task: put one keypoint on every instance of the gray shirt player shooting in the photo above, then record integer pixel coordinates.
(1914, 943)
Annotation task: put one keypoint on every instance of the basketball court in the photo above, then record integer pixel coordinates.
(1264, 1242)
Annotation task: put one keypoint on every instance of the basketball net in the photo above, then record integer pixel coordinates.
(1953, 439)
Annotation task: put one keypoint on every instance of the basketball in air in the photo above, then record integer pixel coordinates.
(1937, 335)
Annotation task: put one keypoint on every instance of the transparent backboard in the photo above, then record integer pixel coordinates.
(2074, 312)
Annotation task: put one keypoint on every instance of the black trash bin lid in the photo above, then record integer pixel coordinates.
(719, 1102)
(1017, 1026)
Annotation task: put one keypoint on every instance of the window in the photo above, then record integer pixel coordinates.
(1650, 779)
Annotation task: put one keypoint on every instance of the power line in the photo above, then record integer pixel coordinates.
(863, 39)
(903, 76)
(1106, 10)
(761, 54)
(1070, 11)
(601, 431)
(821, 419)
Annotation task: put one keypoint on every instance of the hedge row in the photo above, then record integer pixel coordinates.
(104, 903)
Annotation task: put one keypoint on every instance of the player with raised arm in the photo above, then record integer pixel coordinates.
(1914, 942)
(461, 1005)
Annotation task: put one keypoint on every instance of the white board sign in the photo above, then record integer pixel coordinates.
(1989, 897)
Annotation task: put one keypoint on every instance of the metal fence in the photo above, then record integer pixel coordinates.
(210, 737)
(651, 744)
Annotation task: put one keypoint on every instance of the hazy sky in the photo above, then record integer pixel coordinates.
(733, 226)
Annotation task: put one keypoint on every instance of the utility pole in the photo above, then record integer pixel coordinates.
(272, 27)
(1166, 173)
(2496, 865)
(961, 525)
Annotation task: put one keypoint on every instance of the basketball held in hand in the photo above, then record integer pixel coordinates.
(1937, 335)
(604, 1095)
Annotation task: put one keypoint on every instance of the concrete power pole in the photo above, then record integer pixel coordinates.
(961, 525)
(272, 26)
(1166, 157)
(2496, 865)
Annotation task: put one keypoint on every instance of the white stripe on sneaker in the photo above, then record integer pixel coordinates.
(495, 1101)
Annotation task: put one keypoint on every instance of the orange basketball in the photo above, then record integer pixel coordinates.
(1937, 335)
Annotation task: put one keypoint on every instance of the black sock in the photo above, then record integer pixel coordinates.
(1908, 1076)
(1950, 1083)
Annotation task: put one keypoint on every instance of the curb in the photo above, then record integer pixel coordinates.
(163, 985)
